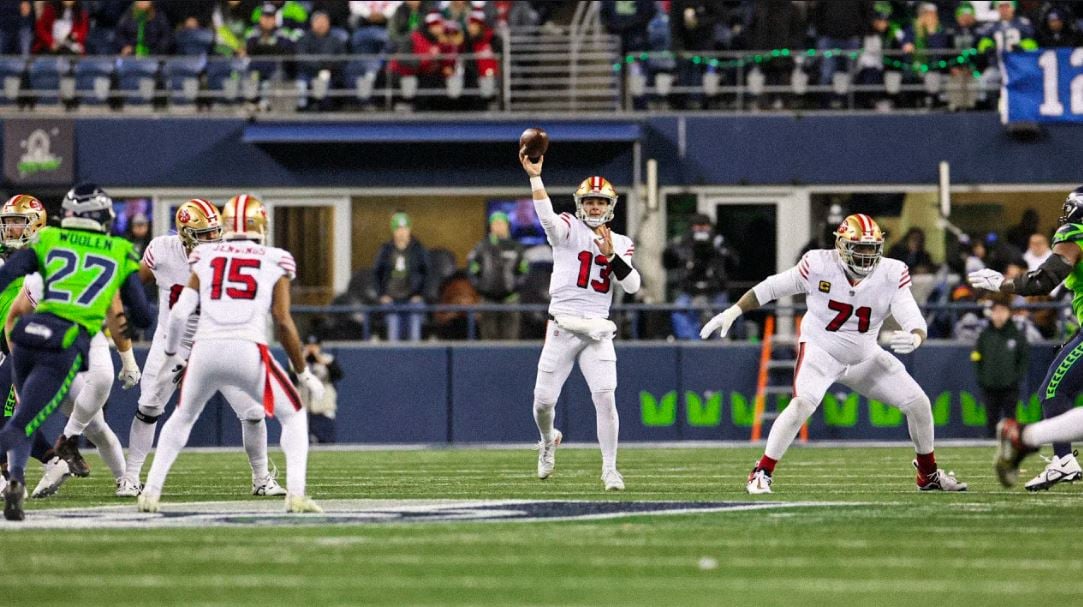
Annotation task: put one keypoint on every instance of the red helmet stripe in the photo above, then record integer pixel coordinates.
(204, 206)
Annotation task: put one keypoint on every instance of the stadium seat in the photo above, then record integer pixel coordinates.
(224, 78)
(94, 79)
(182, 78)
(12, 72)
(45, 74)
(137, 79)
(194, 42)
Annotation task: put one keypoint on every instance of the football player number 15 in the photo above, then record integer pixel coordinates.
(233, 278)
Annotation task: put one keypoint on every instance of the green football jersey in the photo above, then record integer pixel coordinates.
(1073, 232)
(7, 297)
(81, 272)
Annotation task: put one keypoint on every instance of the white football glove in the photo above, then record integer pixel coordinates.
(987, 279)
(310, 382)
(129, 370)
(721, 321)
(903, 342)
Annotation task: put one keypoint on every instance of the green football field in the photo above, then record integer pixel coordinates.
(861, 534)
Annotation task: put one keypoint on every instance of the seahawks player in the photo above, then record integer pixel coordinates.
(1064, 380)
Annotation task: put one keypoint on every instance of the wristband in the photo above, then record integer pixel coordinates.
(127, 359)
(536, 183)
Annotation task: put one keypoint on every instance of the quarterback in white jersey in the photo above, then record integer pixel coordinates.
(234, 284)
(849, 291)
(587, 259)
(165, 261)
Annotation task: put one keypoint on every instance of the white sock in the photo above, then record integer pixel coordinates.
(140, 441)
(786, 426)
(294, 443)
(108, 444)
(89, 400)
(1064, 428)
(173, 438)
(254, 435)
(919, 420)
(543, 417)
(605, 410)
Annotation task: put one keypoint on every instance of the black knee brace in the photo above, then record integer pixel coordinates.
(146, 419)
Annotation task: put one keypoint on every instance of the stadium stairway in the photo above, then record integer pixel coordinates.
(553, 71)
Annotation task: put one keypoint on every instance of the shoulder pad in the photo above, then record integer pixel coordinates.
(1069, 232)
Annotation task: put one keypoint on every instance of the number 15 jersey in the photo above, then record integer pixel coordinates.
(236, 284)
(842, 318)
(581, 284)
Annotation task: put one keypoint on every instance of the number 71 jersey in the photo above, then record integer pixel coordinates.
(236, 284)
(581, 284)
(845, 319)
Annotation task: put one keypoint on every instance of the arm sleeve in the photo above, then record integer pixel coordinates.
(20, 264)
(627, 276)
(178, 318)
(133, 295)
(790, 282)
(556, 226)
(906, 312)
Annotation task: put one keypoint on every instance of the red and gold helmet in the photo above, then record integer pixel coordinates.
(198, 222)
(595, 187)
(20, 218)
(860, 243)
(245, 218)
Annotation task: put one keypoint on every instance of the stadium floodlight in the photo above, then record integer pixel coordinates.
(711, 81)
(840, 83)
(663, 83)
(756, 80)
(408, 86)
(893, 82)
(799, 81)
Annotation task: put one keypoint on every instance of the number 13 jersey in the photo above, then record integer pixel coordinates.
(236, 284)
(845, 319)
(581, 284)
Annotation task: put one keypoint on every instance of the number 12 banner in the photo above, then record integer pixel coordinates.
(1043, 86)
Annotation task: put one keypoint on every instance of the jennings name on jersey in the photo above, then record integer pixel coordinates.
(581, 284)
(236, 284)
(842, 318)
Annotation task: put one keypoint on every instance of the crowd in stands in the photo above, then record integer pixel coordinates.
(872, 49)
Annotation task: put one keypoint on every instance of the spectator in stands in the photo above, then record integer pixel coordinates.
(268, 39)
(429, 64)
(320, 41)
(407, 19)
(483, 68)
(1001, 358)
(882, 36)
(321, 413)
(1001, 253)
(1009, 33)
(692, 26)
(1057, 30)
(340, 12)
(923, 38)
(291, 17)
(16, 27)
(967, 324)
(1037, 251)
(104, 17)
(143, 31)
(497, 266)
(62, 28)
(911, 251)
(515, 15)
(139, 233)
(629, 20)
(458, 11)
(400, 273)
(699, 264)
(976, 259)
(776, 24)
(369, 21)
(192, 23)
(964, 37)
(231, 25)
(840, 24)
(1019, 234)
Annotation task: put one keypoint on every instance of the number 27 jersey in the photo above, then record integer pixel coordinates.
(236, 284)
(581, 284)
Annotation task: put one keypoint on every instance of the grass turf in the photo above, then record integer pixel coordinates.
(893, 546)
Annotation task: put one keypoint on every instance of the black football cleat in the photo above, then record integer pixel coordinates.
(67, 448)
(14, 495)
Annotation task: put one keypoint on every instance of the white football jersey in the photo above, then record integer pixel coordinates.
(581, 284)
(33, 286)
(236, 283)
(168, 261)
(845, 319)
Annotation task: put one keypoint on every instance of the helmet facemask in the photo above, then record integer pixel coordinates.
(860, 257)
(594, 221)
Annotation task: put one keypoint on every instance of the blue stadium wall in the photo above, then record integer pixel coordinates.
(469, 393)
(693, 149)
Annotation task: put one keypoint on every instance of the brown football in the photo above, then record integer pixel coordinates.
(533, 142)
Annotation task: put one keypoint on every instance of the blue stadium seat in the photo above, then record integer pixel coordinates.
(194, 42)
(94, 79)
(12, 72)
(224, 78)
(182, 78)
(137, 79)
(45, 73)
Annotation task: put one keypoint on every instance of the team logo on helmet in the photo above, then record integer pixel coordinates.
(860, 243)
(20, 219)
(198, 222)
(595, 187)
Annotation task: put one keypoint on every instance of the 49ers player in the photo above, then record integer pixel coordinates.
(234, 284)
(165, 262)
(849, 290)
(587, 259)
